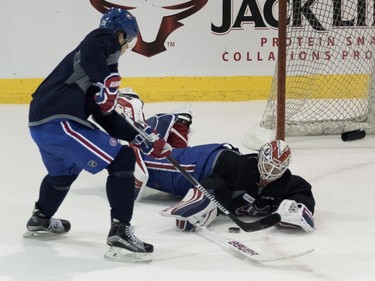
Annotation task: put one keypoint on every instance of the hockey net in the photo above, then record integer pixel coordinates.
(329, 69)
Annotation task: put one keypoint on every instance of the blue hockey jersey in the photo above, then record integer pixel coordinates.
(198, 161)
(68, 91)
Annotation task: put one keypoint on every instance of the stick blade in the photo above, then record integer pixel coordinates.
(260, 224)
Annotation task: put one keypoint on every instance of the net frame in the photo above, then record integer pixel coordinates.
(332, 91)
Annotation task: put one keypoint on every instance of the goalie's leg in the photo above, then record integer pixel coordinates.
(125, 246)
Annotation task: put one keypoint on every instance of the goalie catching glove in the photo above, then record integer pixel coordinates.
(295, 215)
(108, 94)
(151, 144)
(193, 209)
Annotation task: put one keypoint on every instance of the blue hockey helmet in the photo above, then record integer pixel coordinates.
(115, 19)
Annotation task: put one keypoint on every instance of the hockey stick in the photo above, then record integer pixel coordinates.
(239, 248)
(260, 224)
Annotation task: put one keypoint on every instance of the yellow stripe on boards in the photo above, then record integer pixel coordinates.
(344, 86)
(162, 89)
(233, 88)
(17, 91)
(229, 88)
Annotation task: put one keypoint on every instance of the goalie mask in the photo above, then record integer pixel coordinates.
(274, 159)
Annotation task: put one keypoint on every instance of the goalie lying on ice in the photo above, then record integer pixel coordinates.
(255, 184)
(247, 185)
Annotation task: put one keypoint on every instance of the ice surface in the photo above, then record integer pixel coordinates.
(342, 175)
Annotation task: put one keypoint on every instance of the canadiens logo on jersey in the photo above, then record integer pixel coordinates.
(113, 142)
(170, 16)
(115, 84)
(92, 163)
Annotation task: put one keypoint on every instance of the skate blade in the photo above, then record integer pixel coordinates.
(42, 235)
(123, 255)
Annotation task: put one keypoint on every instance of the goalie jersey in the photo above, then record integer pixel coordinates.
(234, 181)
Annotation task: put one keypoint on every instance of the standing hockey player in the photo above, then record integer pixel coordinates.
(85, 83)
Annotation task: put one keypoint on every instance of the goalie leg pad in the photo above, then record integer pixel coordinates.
(193, 209)
(141, 175)
(131, 105)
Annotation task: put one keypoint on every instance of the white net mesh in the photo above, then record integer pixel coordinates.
(330, 63)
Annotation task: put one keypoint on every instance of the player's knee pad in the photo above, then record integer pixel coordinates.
(123, 164)
(61, 182)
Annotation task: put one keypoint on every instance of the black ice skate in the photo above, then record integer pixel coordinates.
(41, 226)
(125, 246)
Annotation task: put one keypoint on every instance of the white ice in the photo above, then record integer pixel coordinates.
(342, 175)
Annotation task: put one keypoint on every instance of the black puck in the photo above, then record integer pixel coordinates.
(234, 229)
(353, 135)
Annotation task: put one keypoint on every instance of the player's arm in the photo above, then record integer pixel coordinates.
(95, 50)
(298, 189)
(148, 142)
(116, 126)
(297, 207)
(98, 57)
